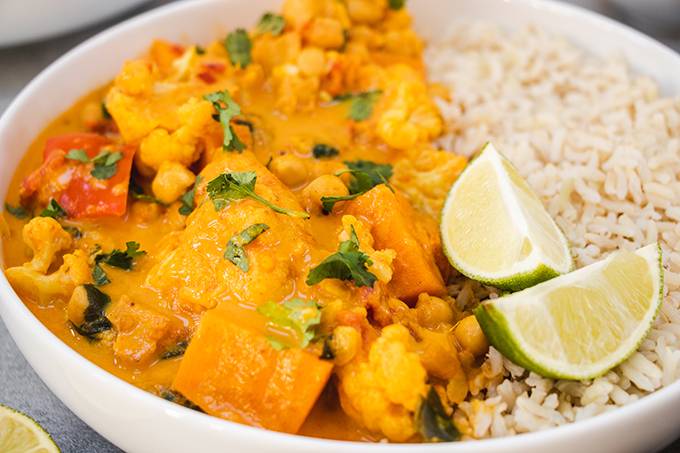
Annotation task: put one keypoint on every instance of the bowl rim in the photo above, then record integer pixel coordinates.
(13, 305)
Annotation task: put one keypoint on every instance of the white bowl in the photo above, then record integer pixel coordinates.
(137, 421)
(23, 21)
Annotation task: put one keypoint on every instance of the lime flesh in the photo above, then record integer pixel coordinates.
(21, 434)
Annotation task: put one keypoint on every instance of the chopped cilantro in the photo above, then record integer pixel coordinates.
(94, 320)
(348, 263)
(200, 50)
(105, 112)
(105, 163)
(138, 193)
(238, 185)
(396, 4)
(116, 258)
(298, 316)
(238, 45)
(365, 176)
(73, 231)
(17, 211)
(235, 251)
(187, 199)
(78, 154)
(271, 23)
(320, 150)
(433, 422)
(226, 109)
(53, 210)
(361, 104)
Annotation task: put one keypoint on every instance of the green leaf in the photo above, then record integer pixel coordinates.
(116, 258)
(396, 4)
(17, 211)
(78, 154)
(238, 45)
(296, 315)
(200, 50)
(105, 112)
(95, 320)
(365, 176)
(348, 263)
(187, 199)
(238, 185)
(226, 110)
(176, 350)
(235, 251)
(361, 104)
(99, 276)
(73, 231)
(320, 151)
(270, 23)
(106, 164)
(53, 210)
(432, 421)
(137, 193)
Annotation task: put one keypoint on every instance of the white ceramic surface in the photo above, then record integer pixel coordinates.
(141, 423)
(22, 21)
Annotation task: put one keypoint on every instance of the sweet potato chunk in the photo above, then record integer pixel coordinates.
(394, 226)
(234, 373)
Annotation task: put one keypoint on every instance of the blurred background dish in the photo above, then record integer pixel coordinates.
(23, 21)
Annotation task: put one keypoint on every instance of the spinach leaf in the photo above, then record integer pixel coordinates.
(238, 45)
(99, 276)
(226, 110)
(175, 397)
(320, 151)
(175, 351)
(105, 112)
(365, 176)
(348, 263)
(187, 199)
(17, 211)
(235, 251)
(238, 185)
(271, 23)
(361, 104)
(295, 315)
(433, 422)
(94, 319)
(53, 210)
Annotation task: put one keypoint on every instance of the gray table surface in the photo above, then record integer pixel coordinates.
(20, 387)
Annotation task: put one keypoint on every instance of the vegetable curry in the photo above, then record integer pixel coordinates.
(248, 228)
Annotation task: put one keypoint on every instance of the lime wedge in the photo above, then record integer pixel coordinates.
(579, 325)
(495, 230)
(21, 434)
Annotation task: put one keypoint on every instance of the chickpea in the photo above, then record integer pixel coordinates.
(345, 344)
(366, 11)
(91, 114)
(171, 181)
(323, 186)
(77, 305)
(144, 212)
(470, 336)
(290, 169)
(325, 32)
(433, 311)
(312, 61)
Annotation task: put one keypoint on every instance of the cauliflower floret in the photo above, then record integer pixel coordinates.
(425, 176)
(46, 238)
(171, 181)
(181, 145)
(410, 116)
(384, 391)
(136, 78)
(45, 288)
(294, 91)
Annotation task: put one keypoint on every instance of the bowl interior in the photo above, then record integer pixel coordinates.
(140, 422)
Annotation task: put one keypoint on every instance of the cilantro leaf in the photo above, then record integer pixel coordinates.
(239, 185)
(73, 231)
(177, 350)
(53, 210)
(365, 176)
(78, 154)
(361, 104)
(200, 50)
(238, 45)
(116, 258)
(348, 263)
(396, 4)
(433, 422)
(106, 164)
(187, 199)
(270, 23)
(319, 151)
(226, 109)
(297, 316)
(235, 251)
(105, 112)
(95, 321)
(17, 211)
(137, 192)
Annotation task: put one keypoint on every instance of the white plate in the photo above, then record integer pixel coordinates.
(137, 421)
(23, 21)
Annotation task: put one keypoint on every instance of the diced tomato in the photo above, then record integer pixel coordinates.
(70, 182)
